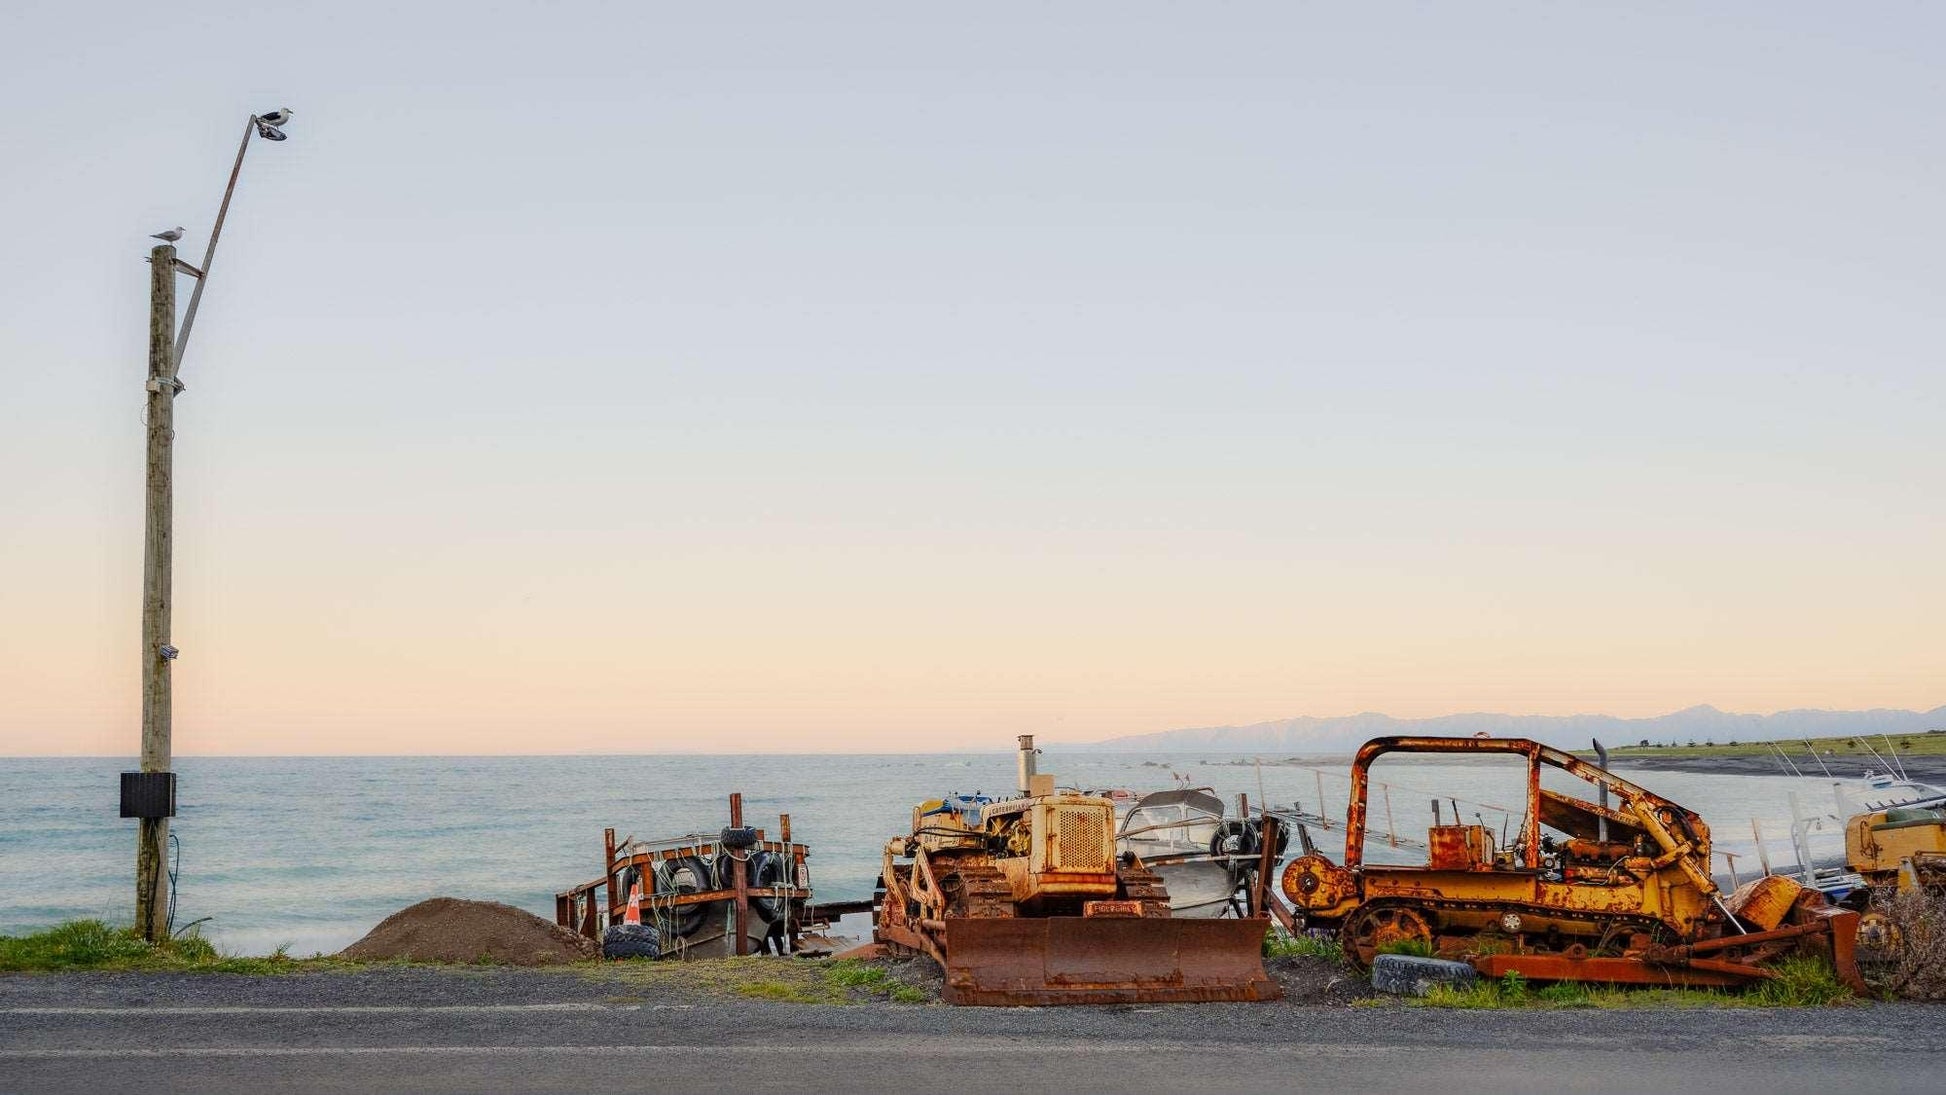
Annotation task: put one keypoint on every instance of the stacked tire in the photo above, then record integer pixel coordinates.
(631, 941)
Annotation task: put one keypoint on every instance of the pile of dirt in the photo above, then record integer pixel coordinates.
(451, 929)
(1310, 980)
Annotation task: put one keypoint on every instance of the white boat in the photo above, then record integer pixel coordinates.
(1182, 836)
(1886, 791)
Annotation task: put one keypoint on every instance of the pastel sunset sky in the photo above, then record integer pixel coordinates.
(887, 377)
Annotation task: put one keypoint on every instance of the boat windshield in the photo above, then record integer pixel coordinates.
(1172, 822)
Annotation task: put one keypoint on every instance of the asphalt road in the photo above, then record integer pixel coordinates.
(417, 1031)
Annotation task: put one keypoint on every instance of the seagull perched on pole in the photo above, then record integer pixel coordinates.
(168, 235)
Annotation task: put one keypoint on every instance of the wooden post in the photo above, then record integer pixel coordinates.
(607, 873)
(792, 863)
(742, 882)
(152, 836)
(1266, 864)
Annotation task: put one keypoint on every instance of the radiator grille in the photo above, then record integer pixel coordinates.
(1080, 842)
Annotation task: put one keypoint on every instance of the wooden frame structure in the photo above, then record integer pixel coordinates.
(591, 906)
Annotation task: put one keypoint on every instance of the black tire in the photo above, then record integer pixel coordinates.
(688, 874)
(762, 873)
(631, 941)
(1405, 975)
(626, 880)
(767, 872)
(1234, 838)
(738, 838)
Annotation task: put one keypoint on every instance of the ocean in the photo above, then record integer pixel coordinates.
(309, 853)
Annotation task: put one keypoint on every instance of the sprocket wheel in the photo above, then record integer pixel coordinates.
(1372, 927)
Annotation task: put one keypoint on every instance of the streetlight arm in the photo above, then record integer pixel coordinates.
(209, 254)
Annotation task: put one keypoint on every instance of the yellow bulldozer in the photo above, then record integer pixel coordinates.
(1616, 890)
(1025, 901)
(1901, 847)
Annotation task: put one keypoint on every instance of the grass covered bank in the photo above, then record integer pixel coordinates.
(94, 945)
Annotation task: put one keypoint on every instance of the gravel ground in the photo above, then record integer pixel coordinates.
(468, 1030)
(1316, 981)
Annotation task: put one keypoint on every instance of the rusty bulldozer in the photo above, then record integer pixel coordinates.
(1024, 901)
(1617, 893)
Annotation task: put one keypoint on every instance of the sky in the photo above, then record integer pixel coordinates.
(888, 377)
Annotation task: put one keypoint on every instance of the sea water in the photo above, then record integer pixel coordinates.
(310, 852)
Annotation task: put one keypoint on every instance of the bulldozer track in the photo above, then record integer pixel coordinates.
(1145, 886)
(1611, 923)
(981, 891)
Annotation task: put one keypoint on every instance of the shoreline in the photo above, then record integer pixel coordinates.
(1929, 769)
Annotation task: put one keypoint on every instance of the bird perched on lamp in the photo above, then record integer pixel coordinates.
(270, 124)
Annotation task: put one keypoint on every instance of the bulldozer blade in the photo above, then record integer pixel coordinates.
(1013, 961)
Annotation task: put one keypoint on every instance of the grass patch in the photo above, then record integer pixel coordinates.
(1565, 996)
(790, 993)
(94, 945)
(795, 981)
(870, 980)
(1801, 981)
(1413, 948)
(1279, 944)
(853, 974)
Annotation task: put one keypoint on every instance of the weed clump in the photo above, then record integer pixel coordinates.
(1801, 981)
(1280, 944)
(1910, 960)
(1412, 948)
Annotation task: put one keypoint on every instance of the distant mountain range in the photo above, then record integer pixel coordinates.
(1310, 736)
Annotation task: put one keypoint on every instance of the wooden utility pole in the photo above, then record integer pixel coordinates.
(151, 851)
(741, 883)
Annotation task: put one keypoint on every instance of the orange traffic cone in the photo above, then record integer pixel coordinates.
(634, 913)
